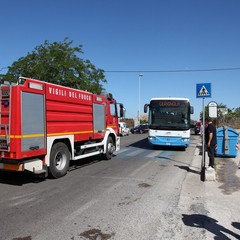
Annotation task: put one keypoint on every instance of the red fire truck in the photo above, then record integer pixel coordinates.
(44, 126)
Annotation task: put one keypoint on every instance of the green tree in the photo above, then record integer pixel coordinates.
(58, 63)
(237, 111)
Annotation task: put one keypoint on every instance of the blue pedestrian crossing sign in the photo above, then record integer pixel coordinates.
(203, 90)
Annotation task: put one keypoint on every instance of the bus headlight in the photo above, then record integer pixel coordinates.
(151, 138)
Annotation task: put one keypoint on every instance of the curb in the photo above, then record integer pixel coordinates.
(210, 175)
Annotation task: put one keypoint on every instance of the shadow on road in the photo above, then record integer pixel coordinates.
(84, 162)
(170, 148)
(18, 178)
(188, 169)
(22, 178)
(210, 224)
(143, 143)
(236, 225)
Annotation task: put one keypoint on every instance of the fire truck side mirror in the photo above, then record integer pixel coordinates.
(122, 110)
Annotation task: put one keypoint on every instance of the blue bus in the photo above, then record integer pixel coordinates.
(169, 121)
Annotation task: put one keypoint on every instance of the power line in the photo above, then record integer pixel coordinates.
(166, 71)
(174, 71)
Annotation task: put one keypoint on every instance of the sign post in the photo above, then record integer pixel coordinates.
(203, 90)
(212, 106)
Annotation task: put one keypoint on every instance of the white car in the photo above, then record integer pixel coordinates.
(123, 129)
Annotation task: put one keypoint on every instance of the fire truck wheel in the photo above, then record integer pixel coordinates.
(110, 149)
(59, 160)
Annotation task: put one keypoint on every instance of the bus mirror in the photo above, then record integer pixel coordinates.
(192, 110)
(146, 107)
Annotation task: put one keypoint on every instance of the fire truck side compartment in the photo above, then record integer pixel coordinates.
(33, 122)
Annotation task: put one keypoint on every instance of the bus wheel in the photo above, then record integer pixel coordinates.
(59, 160)
(109, 149)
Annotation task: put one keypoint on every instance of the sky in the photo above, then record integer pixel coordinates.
(147, 48)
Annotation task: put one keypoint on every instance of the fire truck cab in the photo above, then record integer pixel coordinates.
(43, 126)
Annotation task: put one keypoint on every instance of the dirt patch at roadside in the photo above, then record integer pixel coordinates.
(227, 174)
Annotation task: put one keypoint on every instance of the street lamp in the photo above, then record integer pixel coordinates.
(139, 78)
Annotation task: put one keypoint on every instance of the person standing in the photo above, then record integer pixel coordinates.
(210, 141)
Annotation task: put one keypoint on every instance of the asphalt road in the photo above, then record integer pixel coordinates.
(133, 196)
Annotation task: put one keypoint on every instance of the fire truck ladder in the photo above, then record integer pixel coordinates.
(4, 128)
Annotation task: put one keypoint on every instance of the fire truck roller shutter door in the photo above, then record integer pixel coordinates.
(59, 160)
(98, 117)
(33, 121)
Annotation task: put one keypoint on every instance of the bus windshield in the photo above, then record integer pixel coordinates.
(169, 115)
